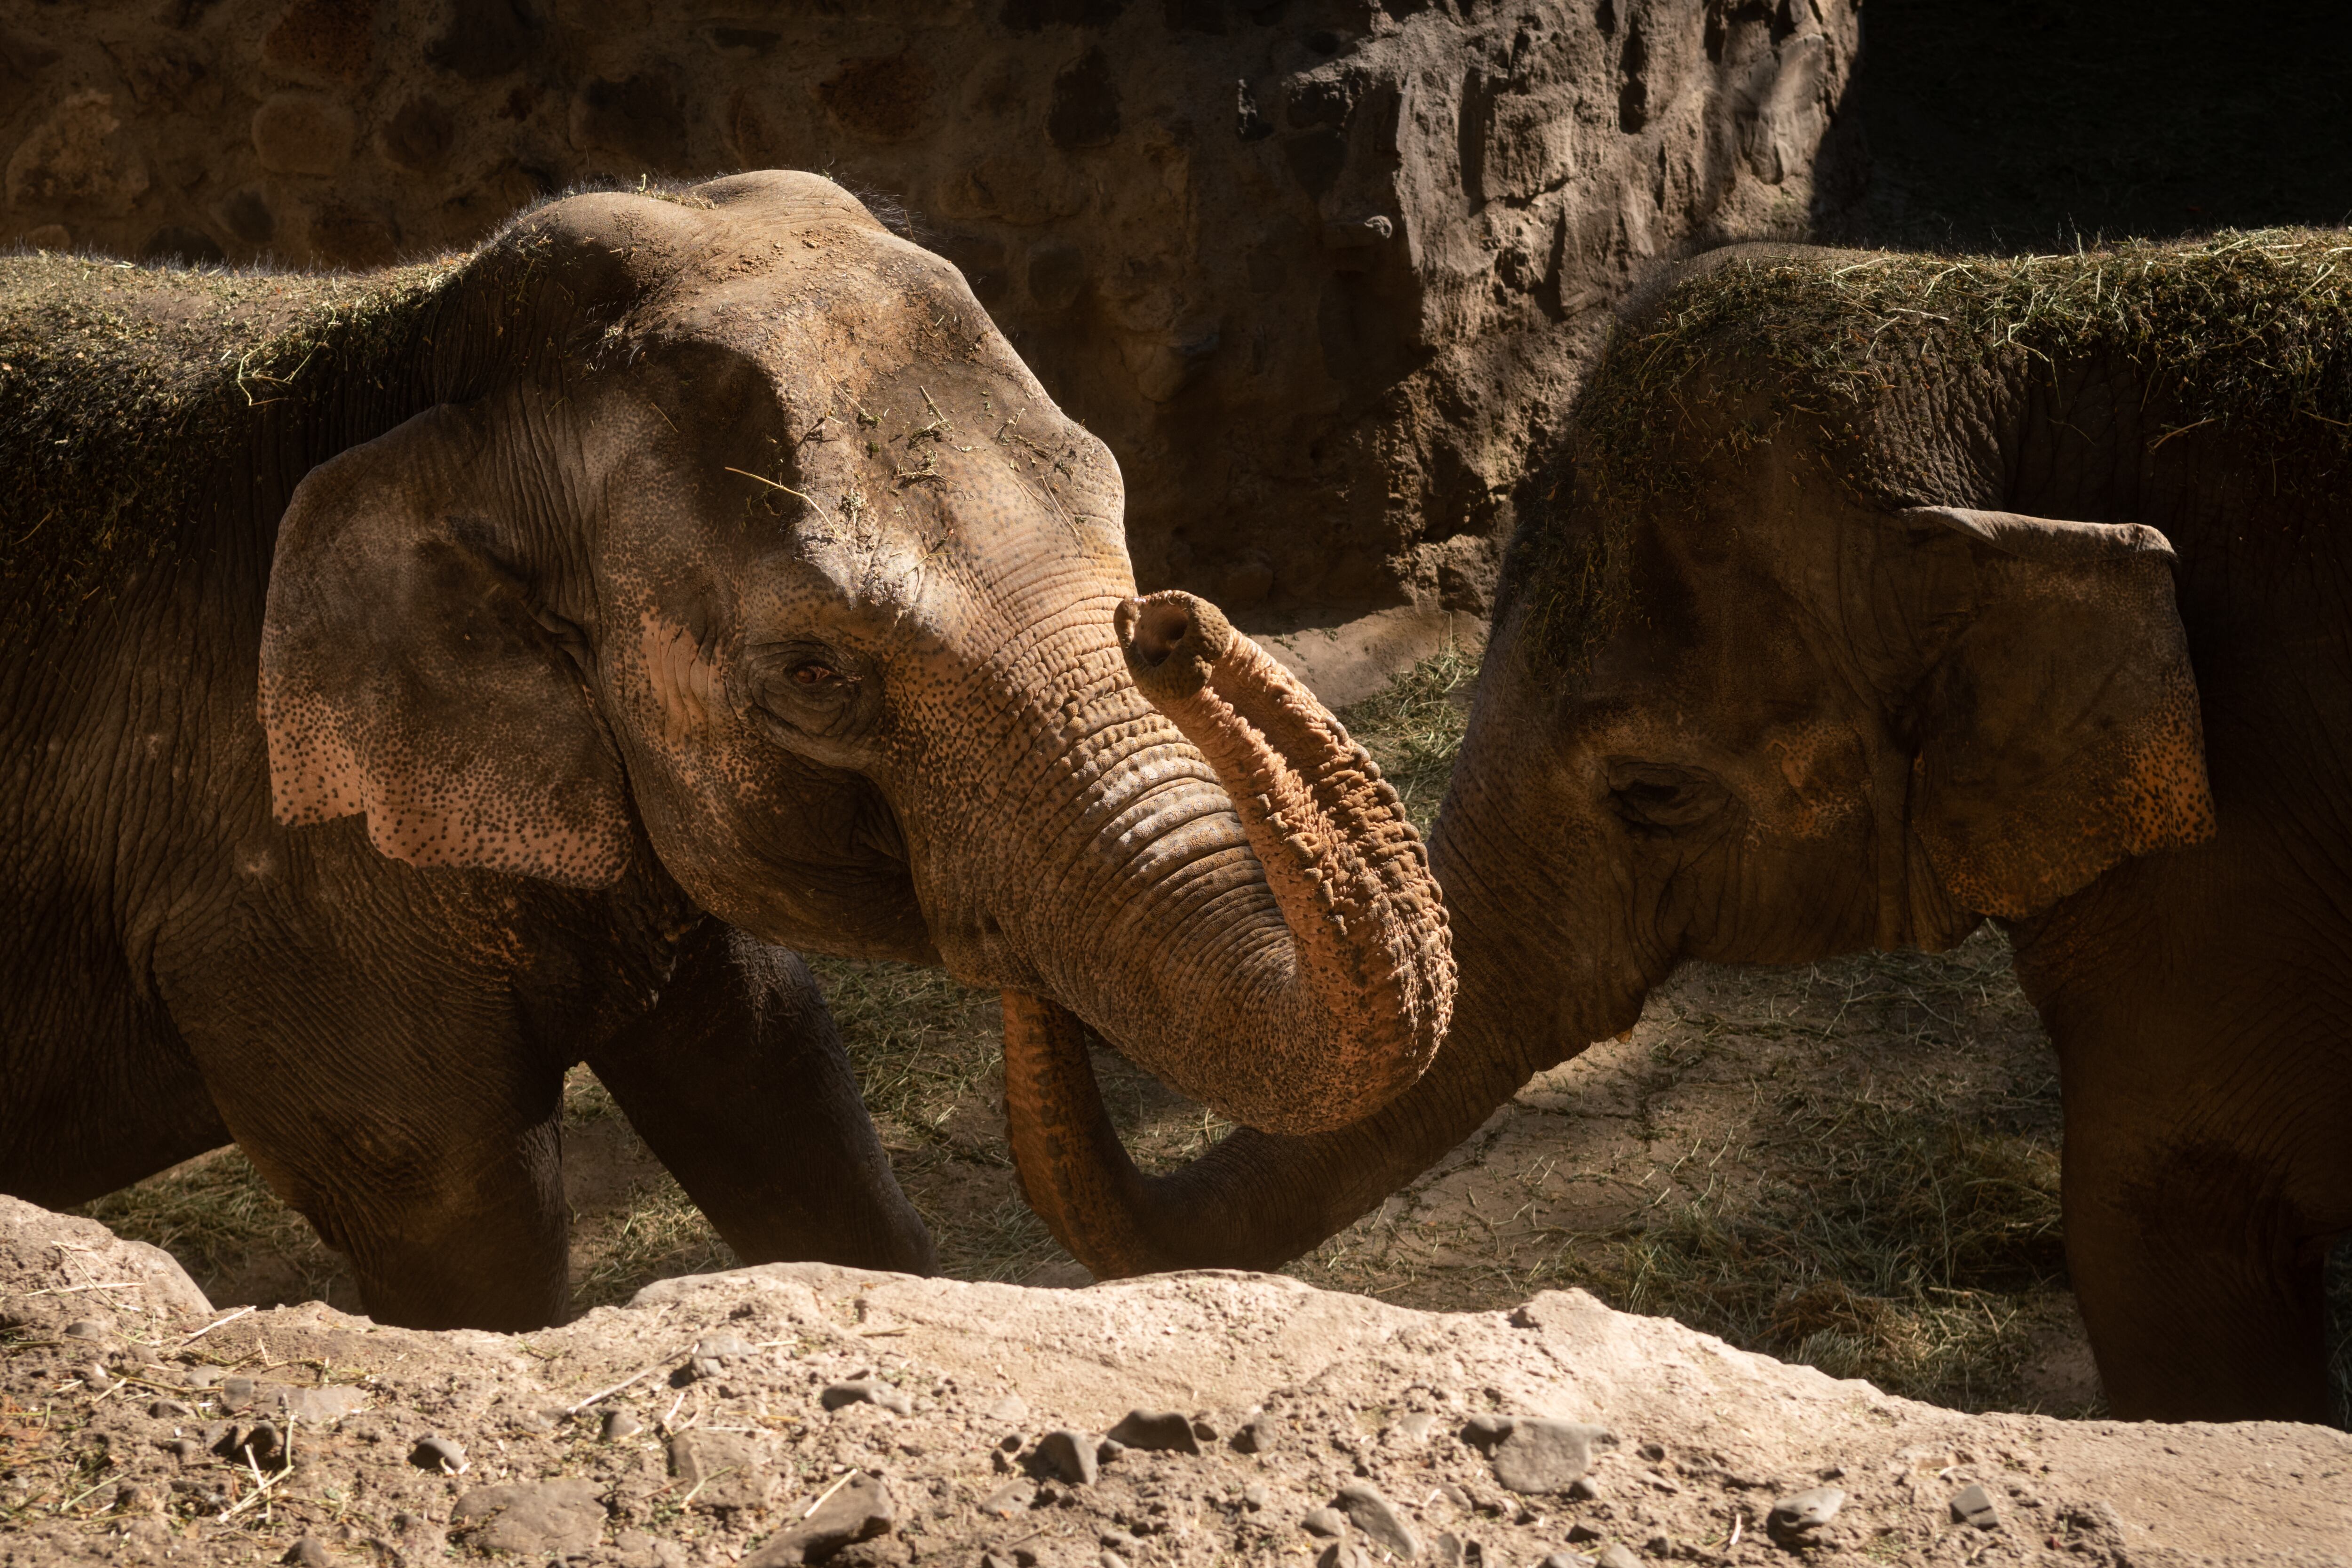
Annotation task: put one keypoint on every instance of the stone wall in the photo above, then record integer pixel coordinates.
(1319, 271)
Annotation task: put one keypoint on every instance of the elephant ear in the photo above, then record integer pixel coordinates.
(404, 673)
(2059, 730)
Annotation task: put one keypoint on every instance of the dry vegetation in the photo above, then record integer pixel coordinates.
(1853, 1166)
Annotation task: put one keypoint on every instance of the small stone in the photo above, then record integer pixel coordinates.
(1342, 1554)
(1164, 1431)
(266, 1444)
(858, 1512)
(722, 1469)
(1794, 1517)
(1483, 1432)
(169, 1409)
(1567, 1560)
(558, 1518)
(1012, 1410)
(1373, 1514)
(621, 1424)
(990, 1560)
(1325, 1521)
(1659, 1545)
(183, 1449)
(1258, 1434)
(1581, 1532)
(1415, 1428)
(434, 1452)
(204, 1377)
(725, 1346)
(1009, 1500)
(323, 1406)
(1071, 1456)
(1653, 1452)
(1112, 1559)
(236, 1392)
(85, 1329)
(1584, 1489)
(1256, 1497)
(93, 1377)
(1203, 1429)
(1109, 1449)
(865, 1389)
(308, 1552)
(1974, 1505)
(1617, 1557)
(1541, 1455)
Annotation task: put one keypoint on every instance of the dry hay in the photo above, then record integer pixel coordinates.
(1865, 354)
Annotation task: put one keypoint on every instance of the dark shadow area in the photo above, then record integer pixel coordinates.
(2020, 125)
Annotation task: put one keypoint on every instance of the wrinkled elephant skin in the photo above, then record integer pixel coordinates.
(550, 636)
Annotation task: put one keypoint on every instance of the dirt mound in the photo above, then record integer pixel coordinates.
(800, 1412)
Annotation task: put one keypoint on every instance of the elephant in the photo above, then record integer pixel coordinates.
(419, 682)
(1869, 597)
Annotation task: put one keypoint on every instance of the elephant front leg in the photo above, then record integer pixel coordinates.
(407, 1119)
(2203, 1295)
(738, 1082)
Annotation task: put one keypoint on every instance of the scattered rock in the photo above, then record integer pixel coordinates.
(1653, 1452)
(1566, 1560)
(322, 1406)
(1483, 1432)
(1012, 1410)
(1370, 1513)
(859, 1510)
(1660, 1544)
(1616, 1557)
(1540, 1456)
(266, 1444)
(86, 1328)
(869, 1390)
(1582, 1531)
(1794, 1518)
(438, 1453)
(725, 1345)
(1326, 1521)
(721, 1470)
(236, 1392)
(1584, 1489)
(1009, 1500)
(1258, 1434)
(620, 1423)
(1415, 1428)
(308, 1552)
(556, 1517)
(1974, 1505)
(1071, 1456)
(1161, 1430)
(1256, 1497)
(94, 1378)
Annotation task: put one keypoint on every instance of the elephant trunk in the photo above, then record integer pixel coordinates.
(1268, 938)
(1257, 1199)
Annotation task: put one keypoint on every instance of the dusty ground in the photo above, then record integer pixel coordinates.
(775, 1415)
(1852, 1166)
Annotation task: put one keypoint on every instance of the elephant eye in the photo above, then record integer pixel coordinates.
(1658, 796)
(813, 674)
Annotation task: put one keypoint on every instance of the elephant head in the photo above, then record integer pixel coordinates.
(743, 546)
(1766, 684)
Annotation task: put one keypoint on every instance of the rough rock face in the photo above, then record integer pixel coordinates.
(1318, 270)
(800, 1413)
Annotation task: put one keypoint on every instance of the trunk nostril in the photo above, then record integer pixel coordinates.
(1153, 629)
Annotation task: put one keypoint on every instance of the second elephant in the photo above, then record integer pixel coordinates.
(1873, 595)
